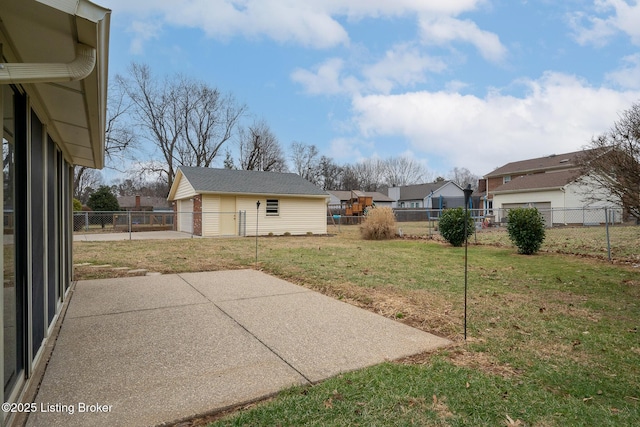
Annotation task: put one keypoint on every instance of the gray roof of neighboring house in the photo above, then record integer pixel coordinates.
(554, 161)
(420, 191)
(145, 201)
(377, 196)
(539, 181)
(209, 180)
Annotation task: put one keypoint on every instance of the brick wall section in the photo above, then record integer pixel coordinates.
(197, 215)
(495, 183)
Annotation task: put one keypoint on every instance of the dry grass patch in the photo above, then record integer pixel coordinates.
(526, 323)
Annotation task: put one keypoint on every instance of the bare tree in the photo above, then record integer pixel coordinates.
(85, 181)
(156, 110)
(401, 171)
(612, 162)
(370, 174)
(120, 138)
(260, 149)
(330, 173)
(187, 121)
(463, 176)
(209, 121)
(349, 179)
(306, 161)
(119, 141)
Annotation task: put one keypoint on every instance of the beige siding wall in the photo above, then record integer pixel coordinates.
(297, 215)
(185, 190)
(210, 215)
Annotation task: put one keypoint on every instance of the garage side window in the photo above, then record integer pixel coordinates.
(273, 207)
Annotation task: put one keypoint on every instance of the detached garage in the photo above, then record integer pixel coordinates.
(223, 202)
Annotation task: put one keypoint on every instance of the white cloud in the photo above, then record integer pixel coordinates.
(283, 21)
(483, 133)
(628, 76)
(326, 79)
(442, 30)
(609, 18)
(403, 66)
(350, 150)
(310, 23)
(142, 32)
(376, 8)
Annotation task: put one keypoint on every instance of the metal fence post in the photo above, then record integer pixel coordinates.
(129, 218)
(86, 222)
(606, 221)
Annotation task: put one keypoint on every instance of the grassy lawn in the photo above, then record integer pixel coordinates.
(553, 338)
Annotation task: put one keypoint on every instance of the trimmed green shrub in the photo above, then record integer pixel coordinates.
(452, 226)
(526, 229)
(379, 224)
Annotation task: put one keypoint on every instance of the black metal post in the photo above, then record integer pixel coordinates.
(257, 216)
(467, 196)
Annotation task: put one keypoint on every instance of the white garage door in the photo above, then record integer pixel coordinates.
(185, 216)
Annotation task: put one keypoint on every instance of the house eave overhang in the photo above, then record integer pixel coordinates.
(58, 50)
(528, 190)
(252, 194)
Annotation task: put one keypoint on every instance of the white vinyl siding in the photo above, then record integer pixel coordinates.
(568, 205)
(297, 215)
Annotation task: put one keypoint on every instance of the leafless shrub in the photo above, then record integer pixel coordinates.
(379, 224)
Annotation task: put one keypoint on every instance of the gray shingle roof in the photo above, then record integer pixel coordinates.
(539, 181)
(420, 191)
(377, 196)
(553, 162)
(209, 180)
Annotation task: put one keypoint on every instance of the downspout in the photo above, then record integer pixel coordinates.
(488, 211)
(78, 69)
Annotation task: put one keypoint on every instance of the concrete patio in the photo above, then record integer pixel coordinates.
(144, 351)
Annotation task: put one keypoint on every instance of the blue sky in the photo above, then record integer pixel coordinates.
(459, 83)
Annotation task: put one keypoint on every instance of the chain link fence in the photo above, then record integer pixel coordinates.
(119, 222)
(595, 232)
(195, 223)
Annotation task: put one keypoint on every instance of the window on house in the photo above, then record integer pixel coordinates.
(273, 207)
(506, 179)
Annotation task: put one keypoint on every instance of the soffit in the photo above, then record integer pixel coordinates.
(74, 112)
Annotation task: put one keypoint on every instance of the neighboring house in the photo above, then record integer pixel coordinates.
(547, 183)
(223, 202)
(339, 199)
(53, 81)
(435, 195)
(144, 204)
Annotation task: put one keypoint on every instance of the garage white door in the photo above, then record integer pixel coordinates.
(185, 216)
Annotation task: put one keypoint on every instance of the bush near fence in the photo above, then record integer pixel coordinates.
(586, 232)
